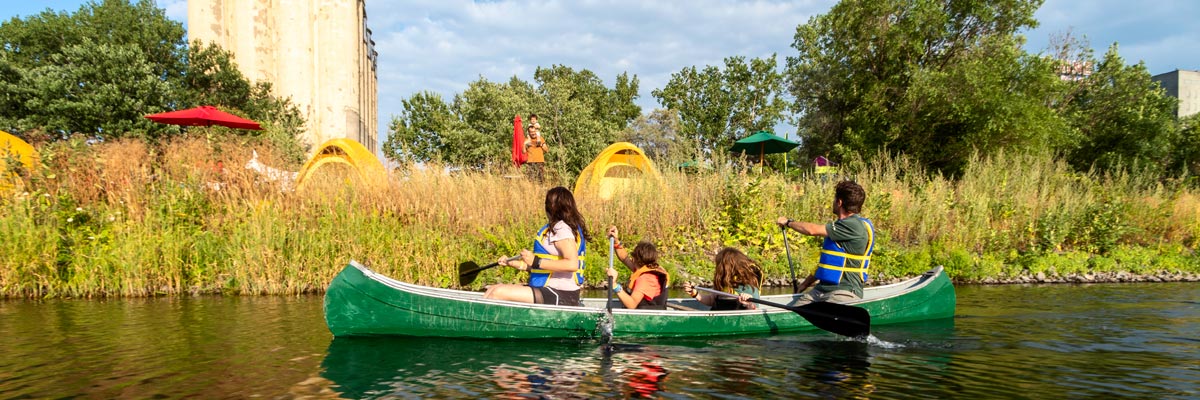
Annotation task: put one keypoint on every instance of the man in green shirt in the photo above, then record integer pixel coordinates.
(845, 252)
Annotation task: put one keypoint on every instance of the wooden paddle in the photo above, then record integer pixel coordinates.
(842, 319)
(469, 270)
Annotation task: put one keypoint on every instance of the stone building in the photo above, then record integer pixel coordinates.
(317, 52)
(1185, 86)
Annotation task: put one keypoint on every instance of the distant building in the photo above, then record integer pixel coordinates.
(317, 52)
(1074, 70)
(1185, 86)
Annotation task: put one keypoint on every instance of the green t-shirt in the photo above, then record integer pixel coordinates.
(852, 234)
(753, 291)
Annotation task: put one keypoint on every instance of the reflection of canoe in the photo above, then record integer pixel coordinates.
(360, 302)
(374, 367)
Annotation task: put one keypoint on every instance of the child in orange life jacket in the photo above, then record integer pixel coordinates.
(734, 273)
(649, 282)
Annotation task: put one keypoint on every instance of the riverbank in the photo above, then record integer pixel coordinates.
(126, 218)
(1040, 278)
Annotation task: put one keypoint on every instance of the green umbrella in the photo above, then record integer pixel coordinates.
(764, 143)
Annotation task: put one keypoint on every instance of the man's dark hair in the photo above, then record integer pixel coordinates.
(851, 195)
(532, 116)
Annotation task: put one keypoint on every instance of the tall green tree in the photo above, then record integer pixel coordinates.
(1185, 160)
(1124, 119)
(96, 71)
(658, 134)
(937, 80)
(421, 132)
(99, 70)
(578, 114)
(718, 106)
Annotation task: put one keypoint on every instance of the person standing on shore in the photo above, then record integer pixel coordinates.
(535, 150)
(845, 252)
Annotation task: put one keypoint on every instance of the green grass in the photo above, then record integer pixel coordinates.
(128, 219)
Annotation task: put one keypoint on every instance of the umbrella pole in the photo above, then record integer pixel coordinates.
(761, 157)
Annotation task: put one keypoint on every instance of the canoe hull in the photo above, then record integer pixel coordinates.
(360, 302)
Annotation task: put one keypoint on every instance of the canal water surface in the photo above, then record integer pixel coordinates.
(1056, 341)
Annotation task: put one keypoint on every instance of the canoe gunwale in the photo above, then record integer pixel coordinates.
(593, 305)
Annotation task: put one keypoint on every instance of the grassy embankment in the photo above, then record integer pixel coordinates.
(127, 219)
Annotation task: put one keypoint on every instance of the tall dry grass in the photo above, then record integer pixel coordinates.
(126, 218)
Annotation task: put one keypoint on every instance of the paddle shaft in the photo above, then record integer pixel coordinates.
(731, 295)
(752, 300)
(492, 265)
(842, 319)
(788, 249)
(611, 249)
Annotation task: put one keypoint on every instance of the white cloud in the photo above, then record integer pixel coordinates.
(1163, 34)
(442, 46)
(176, 9)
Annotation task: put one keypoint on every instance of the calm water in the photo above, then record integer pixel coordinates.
(1113, 340)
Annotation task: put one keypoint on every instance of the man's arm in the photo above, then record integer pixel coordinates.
(808, 281)
(807, 228)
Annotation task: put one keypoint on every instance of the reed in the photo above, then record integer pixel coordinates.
(127, 218)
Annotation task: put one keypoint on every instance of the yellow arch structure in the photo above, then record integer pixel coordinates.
(615, 170)
(13, 148)
(343, 152)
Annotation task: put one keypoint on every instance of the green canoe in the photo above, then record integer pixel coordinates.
(360, 302)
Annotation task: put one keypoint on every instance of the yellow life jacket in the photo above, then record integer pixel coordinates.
(538, 276)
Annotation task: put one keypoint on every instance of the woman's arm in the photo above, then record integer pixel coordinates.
(568, 263)
(701, 297)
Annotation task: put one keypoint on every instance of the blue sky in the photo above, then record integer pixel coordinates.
(442, 45)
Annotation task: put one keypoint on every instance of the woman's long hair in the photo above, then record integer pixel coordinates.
(734, 269)
(560, 206)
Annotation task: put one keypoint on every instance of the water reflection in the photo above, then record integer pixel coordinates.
(1131, 340)
(374, 367)
(752, 367)
(641, 370)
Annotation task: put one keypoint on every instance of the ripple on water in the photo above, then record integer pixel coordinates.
(1007, 342)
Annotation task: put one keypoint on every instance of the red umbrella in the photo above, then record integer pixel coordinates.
(518, 147)
(203, 116)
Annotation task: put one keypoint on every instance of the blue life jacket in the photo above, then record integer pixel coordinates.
(538, 276)
(833, 258)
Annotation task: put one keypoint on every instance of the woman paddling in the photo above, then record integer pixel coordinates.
(555, 263)
(649, 282)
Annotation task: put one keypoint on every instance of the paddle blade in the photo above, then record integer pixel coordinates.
(467, 272)
(845, 320)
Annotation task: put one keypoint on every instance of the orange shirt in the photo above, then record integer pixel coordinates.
(534, 150)
(649, 285)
